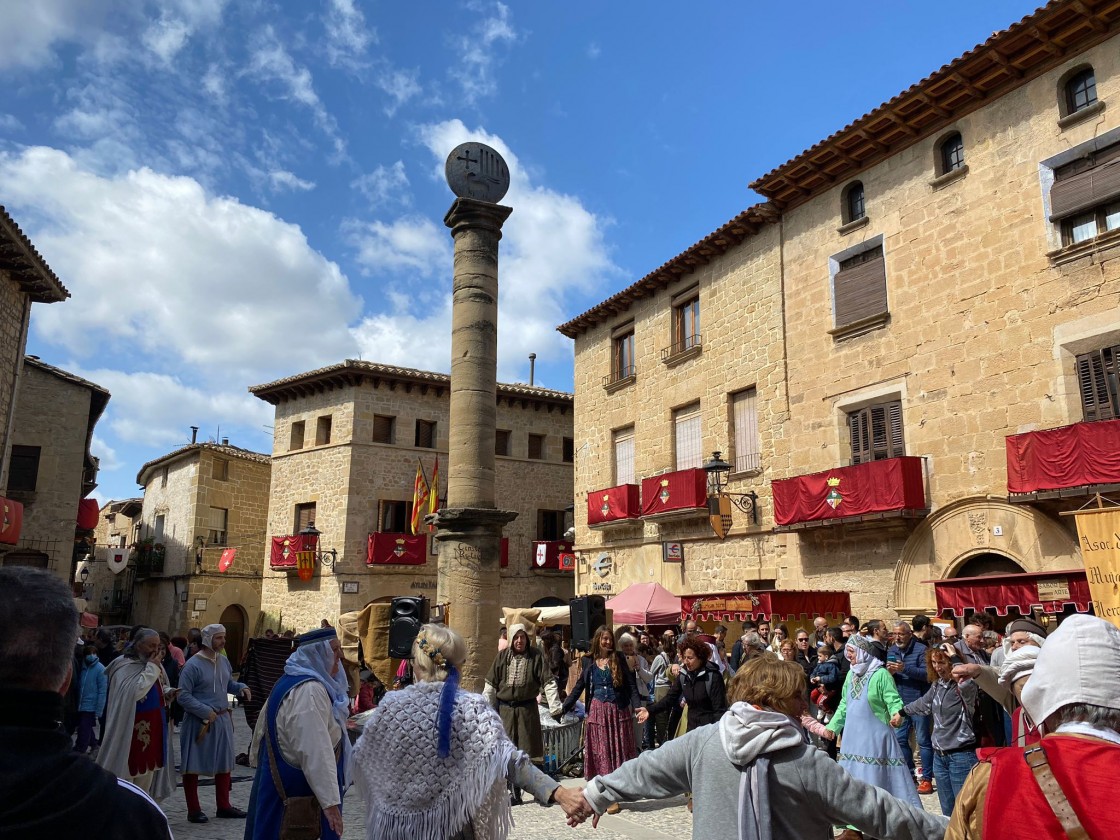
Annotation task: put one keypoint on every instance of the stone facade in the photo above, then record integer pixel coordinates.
(108, 594)
(54, 418)
(195, 490)
(987, 311)
(351, 478)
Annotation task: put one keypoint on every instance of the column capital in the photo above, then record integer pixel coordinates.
(456, 523)
(467, 213)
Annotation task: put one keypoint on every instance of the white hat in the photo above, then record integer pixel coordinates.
(1080, 663)
(514, 629)
(1018, 665)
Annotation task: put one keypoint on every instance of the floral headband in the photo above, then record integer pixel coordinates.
(434, 653)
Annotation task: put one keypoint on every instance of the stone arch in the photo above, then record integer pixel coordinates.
(958, 532)
(236, 622)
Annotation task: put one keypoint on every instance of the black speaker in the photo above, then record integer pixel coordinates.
(589, 613)
(405, 617)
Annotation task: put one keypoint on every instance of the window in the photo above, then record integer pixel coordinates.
(219, 469)
(501, 442)
(686, 321)
(622, 354)
(394, 516)
(624, 456)
(876, 432)
(568, 451)
(23, 468)
(1097, 374)
(536, 447)
(159, 526)
(305, 515)
(688, 445)
(426, 434)
(550, 524)
(1085, 198)
(852, 207)
(323, 431)
(1080, 91)
(219, 520)
(383, 428)
(859, 288)
(744, 418)
(950, 154)
(296, 440)
(163, 477)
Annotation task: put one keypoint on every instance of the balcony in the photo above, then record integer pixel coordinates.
(388, 549)
(1076, 460)
(619, 377)
(619, 505)
(554, 554)
(677, 495)
(285, 552)
(888, 489)
(682, 350)
(148, 558)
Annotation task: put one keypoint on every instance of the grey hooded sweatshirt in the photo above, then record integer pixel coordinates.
(808, 792)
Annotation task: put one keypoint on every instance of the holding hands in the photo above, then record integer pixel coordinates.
(896, 721)
(642, 715)
(575, 805)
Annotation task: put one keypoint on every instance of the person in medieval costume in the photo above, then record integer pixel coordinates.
(136, 745)
(206, 734)
(300, 742)
(869, 750)
(518, 675)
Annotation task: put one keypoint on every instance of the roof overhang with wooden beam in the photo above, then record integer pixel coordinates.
(26, 266)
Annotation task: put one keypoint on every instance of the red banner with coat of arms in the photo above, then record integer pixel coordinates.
(676, 491)
(285, 550)
(893, 484)
(386, 549)
(11, 521)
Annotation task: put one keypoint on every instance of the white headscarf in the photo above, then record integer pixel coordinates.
(210, 631)
(866, 662)
(314, 658)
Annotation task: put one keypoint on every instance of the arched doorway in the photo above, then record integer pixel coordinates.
(234, 620)
(550, 601)
(987, 564)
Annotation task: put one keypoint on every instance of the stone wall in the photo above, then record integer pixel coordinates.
(350, 478)
(53, 414)
(15, 310)
(986, 317)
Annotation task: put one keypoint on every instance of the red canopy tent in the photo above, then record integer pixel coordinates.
(645, 603)
(774, 604)
(1048, 591)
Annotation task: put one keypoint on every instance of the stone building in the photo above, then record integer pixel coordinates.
(907, 353)
(200, 501)
(347, 442)
(25, 279)
(51, 470)
(109, 595)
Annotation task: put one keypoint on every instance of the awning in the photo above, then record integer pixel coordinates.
(645, 603)
(11, 521)
(774, 604)
(89, 511)
(1047, 591)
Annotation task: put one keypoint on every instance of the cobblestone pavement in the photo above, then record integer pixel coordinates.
(647, 820)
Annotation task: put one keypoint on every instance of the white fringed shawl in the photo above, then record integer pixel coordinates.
(410, 791)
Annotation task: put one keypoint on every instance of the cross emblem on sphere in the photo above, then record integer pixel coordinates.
(476, 171)
(466, 158)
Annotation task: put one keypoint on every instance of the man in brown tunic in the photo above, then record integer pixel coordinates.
(518, 675)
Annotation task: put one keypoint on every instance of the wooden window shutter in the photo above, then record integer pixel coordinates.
(858, 428)
(876, 432)
(425, 434)
(860, 291)
(1085, 184)
(382, 428)
(1096, 371)
(305, 515)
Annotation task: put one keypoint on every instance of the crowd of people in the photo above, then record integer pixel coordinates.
(779, 733)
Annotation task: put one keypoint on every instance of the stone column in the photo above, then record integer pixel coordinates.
(469, 528)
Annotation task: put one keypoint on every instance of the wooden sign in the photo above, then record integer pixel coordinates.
(1053, 589)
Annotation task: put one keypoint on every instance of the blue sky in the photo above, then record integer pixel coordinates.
(240, 191)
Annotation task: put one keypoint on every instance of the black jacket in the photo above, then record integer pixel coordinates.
(703, 693)
(625, 697)
(49, 791)
(842, 666)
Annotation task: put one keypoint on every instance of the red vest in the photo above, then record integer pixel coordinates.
(1014, 807)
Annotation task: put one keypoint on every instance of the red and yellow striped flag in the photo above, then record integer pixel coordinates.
(420, 493)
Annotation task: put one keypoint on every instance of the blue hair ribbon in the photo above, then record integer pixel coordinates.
(446, 707)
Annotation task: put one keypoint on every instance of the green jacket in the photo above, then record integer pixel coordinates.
(881, 694)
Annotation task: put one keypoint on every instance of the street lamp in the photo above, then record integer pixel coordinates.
(311, 543)
(717, 470)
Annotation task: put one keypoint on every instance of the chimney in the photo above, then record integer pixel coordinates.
(225, 441)
(194, 434)
(532, 367)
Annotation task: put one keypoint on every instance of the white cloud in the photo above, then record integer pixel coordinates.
(347, 34)
(178, 278)
(107, 457)
(401, 85)
(283, 180)
(166, 37)
(411, 243)
(10, 122)
(479, 51)
(29, 34)
(594, 50)
(417, 341)
(385, 185)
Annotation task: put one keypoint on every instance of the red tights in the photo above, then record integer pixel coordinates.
(222, 785)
